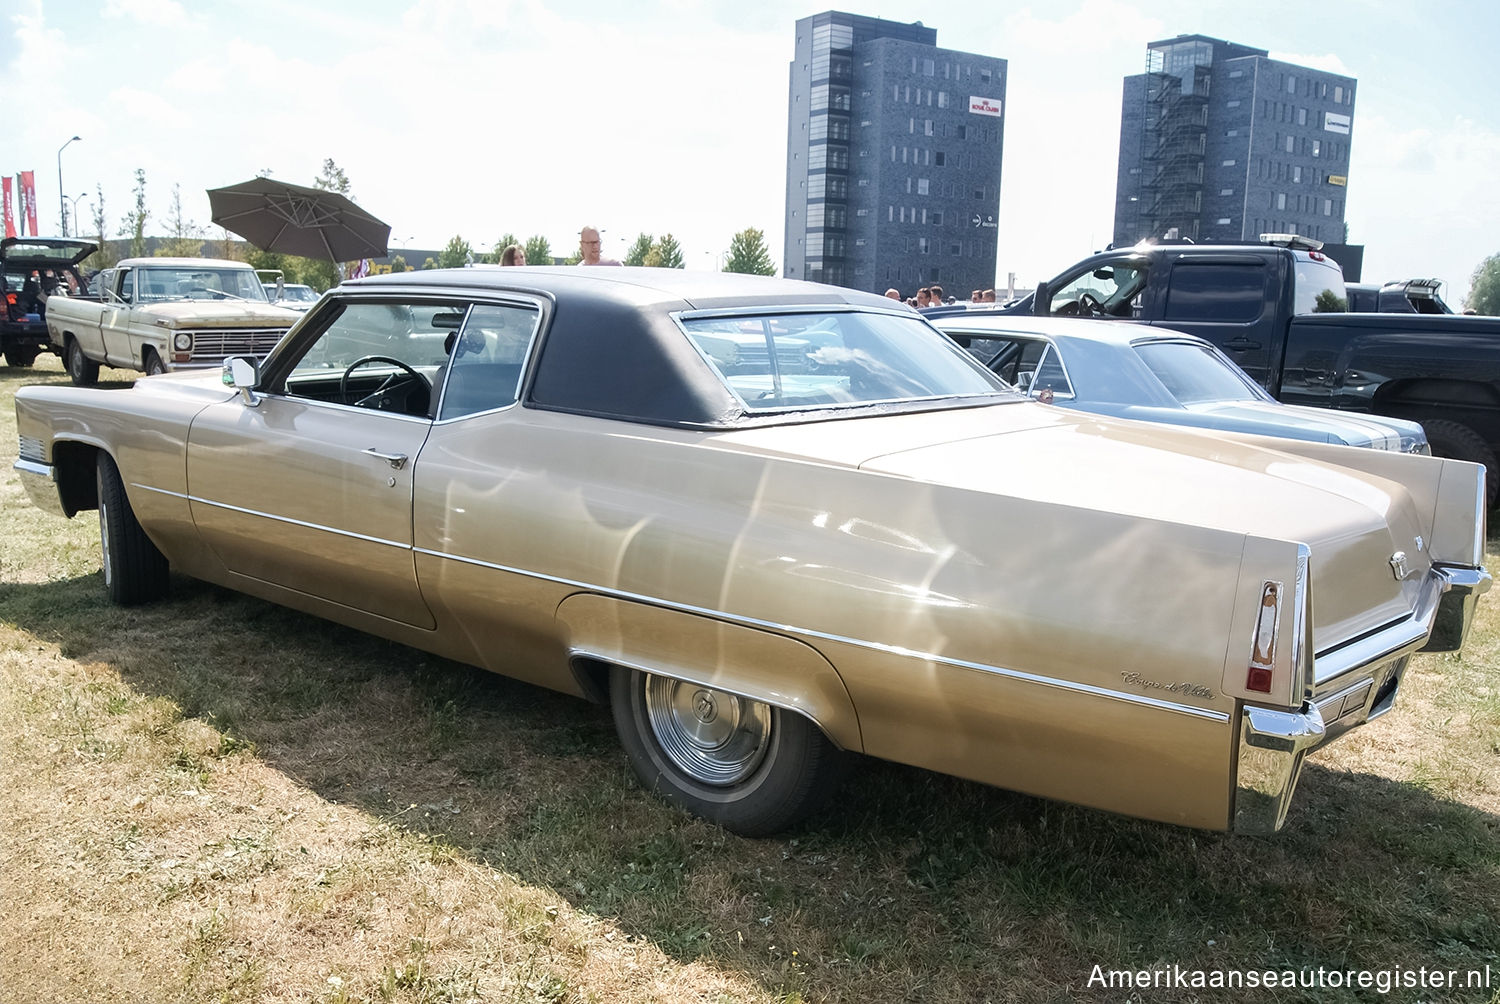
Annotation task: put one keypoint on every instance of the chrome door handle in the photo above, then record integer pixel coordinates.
(396, 460)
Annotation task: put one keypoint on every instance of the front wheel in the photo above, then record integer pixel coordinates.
(1459, 442)
(154, 366)
(752, 768)
(82, 370)
(134, 570)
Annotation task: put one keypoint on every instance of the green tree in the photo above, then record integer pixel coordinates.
(457, 254)
(186, 237)
(670, 252)
(638, 251)
(429, 263)
(398, 264)
(333, 178)
(105, 257)
(748, 254)
(1484, 293)
(538, 251)
(134, 223)
(1329, 302)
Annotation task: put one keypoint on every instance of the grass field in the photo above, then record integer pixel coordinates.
(215, 799)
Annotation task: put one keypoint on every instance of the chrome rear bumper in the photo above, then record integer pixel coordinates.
(1354, 684)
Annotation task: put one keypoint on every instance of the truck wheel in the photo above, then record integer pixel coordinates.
(20, 355)
(1459, 442)
(83, 371)
(134, 570)
(153, 364)
(747, 766)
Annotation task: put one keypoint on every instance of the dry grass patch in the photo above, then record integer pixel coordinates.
(214, 799)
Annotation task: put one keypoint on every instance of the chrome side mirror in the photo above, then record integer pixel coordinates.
(242, 374)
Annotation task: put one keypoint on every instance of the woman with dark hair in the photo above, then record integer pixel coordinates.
(513, 254)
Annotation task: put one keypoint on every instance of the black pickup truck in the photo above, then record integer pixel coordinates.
(1258, 303)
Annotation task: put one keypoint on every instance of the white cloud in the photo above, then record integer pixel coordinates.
(160, 12)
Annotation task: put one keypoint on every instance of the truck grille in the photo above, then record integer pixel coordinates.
(214, 345)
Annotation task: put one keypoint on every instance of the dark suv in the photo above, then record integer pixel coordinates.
(31, 270)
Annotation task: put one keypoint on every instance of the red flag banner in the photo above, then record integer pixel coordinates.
(28, 199)
(10, 219)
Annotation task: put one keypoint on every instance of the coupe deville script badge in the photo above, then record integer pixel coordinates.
(1191, 689)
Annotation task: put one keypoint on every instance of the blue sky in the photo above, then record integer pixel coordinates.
(478, 117)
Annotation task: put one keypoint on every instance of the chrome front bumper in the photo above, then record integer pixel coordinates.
(1354, 684)
(40, 482)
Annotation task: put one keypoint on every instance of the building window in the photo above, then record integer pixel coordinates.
(1280, 200)
(984, 76)
(1291, 84)
(1226, 191)
(1297, 175)
(943, 95)
(928, 67)
(927, 127)
(1236, 74)
(1227, 163)
(956, 249)
(1290, 143)
(1232, 132)
(1223, 220)
(962, 132)
(1327, 207)
(923, 246)
(861, 212)
(922, 187)
(979, 194)
(1302, 116)
(1233, 104)
(1317, 147)
(937, 217)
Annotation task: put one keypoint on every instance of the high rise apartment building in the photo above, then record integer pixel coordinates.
(893, 157)
(1220, 142)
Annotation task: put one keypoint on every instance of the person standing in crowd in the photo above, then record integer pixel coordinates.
(590, 245)
(935, 296)
(893, 293)
(513, 254)
(924, 298)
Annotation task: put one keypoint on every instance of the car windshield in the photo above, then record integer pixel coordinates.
(1196, 374)
(156, 284)
(304, 294)
(818, 360)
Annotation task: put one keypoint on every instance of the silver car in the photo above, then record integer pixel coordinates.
(1156, 375)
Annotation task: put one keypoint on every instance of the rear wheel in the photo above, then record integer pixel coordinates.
(1459, 442)
(134, 570)
(20, 355)
(82, 370)
(750, 767)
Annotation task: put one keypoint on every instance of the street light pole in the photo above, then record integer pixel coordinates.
(73, 207)
(63, 198)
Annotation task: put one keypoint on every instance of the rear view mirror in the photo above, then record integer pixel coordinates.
(448, 321)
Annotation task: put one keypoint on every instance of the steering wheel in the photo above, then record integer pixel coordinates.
(387, 386)
(1089, 305)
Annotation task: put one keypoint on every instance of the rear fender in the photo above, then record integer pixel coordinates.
(753, 663)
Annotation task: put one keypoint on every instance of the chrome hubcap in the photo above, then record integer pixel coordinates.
(713, 736)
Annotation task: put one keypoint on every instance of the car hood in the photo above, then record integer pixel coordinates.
(1353, 522)
(1266, 418)
(217, 314)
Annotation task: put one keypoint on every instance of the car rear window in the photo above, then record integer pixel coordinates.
(785, 361)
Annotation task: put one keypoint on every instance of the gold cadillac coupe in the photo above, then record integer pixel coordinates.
(772, 523)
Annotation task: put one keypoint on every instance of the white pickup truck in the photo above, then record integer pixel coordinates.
(161, 314)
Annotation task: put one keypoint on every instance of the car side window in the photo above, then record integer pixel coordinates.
(488, 359)
(385, 355)
(1109, 290)
(1217, 292)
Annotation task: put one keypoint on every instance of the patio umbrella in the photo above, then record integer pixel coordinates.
(291, 219)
